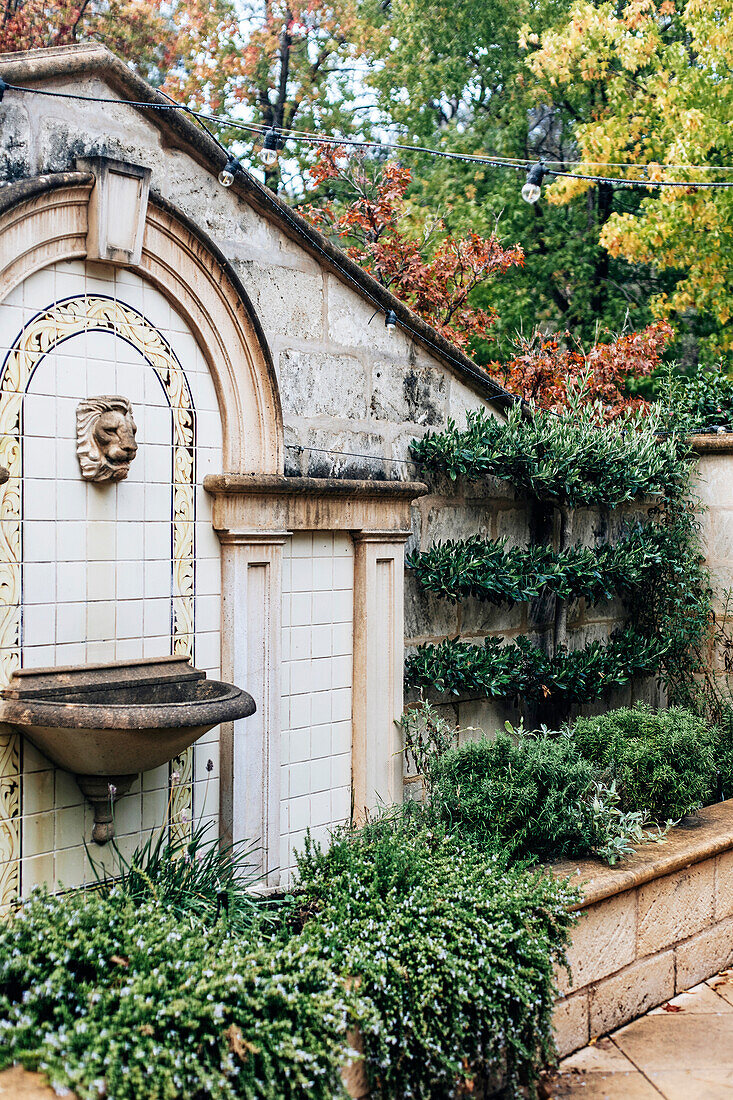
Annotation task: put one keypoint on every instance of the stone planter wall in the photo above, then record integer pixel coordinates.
(656, 925)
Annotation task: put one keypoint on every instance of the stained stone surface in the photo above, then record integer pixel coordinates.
(680, 1051)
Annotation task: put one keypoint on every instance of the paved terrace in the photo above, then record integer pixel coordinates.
(681, 1051)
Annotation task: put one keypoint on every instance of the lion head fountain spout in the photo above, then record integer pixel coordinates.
(105, 437)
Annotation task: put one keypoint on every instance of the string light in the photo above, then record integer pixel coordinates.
(229, 172)
(390, 321)
(3, 86)
(533, 187)
(319, 139)
(272, 143)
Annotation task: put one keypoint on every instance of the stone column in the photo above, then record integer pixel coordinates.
(251, 636)
(377, 764)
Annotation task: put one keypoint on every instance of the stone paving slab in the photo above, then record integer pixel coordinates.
(680, 1051)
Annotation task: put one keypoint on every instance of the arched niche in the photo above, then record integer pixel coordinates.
(51, 223)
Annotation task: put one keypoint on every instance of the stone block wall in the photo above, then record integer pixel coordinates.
(653, 927)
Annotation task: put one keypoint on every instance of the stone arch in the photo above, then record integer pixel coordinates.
(49, 223)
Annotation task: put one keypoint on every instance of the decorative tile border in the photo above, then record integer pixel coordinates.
(43, 333)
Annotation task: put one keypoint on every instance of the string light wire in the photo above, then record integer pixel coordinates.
(308, 137)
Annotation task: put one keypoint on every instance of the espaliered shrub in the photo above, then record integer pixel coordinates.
(451, 950)
(521, 668)
(662, 760)
(573, 459)
(489, 570)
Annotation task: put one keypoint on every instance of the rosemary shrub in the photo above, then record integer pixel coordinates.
(451, 949)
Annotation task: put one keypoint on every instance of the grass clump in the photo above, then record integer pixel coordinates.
(452, 952)
(661, 761)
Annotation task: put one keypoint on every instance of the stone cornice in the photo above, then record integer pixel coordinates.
(719, 443)
(261, 503)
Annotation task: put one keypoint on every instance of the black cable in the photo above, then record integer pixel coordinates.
(354, 142)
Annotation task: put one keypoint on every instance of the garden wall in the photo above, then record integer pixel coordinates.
(457, 510)
(651, 928)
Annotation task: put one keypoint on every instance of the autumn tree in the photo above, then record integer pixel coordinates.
(460, 85)
(664, 69)
(142, 31)
(546, 371)
(433, 272)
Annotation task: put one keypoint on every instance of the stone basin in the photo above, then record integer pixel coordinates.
(105, 723)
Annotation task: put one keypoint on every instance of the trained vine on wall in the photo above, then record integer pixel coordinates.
(570, 460)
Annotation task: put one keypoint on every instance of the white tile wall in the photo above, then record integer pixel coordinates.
(97, 578)
(318, 624)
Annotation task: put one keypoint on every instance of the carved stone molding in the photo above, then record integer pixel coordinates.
(311, 504)
(52, 225)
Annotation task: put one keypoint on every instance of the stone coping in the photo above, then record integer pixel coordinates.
(720, 443)
(697, 838)
(274, 485)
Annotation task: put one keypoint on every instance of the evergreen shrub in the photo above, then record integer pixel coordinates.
(531, 796)
(452, 952)
(110, 996)
(661, 761)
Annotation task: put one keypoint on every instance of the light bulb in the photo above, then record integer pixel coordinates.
(228, 172)
(268, 157)
(533, 187)
(531, 192)
(272, 143)
(390, 322)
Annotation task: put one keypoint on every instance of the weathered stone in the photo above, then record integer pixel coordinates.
(353, 323)
(704, 955)
(15, 143)
(313, 384)
(641, 986)
(403, 393)
(461, 400)
(673, 908)
(724, 886)
(346, 454)
(449, 522)
(482, 617)
(286, 300)
(571, 1023)
(604, 941)
(427, 615)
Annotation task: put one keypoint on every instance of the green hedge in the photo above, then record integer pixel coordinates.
(520, 668)
(661, 761)
(489, 570)
(571, 459)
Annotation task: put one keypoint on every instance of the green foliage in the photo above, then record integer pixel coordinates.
(662, 760)
(707, 398)
(427, 735)
(111, 996)
(488, 570)
(451, 949)
(533, 796)
(192, 875)
(523, 669)
(571, 459)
